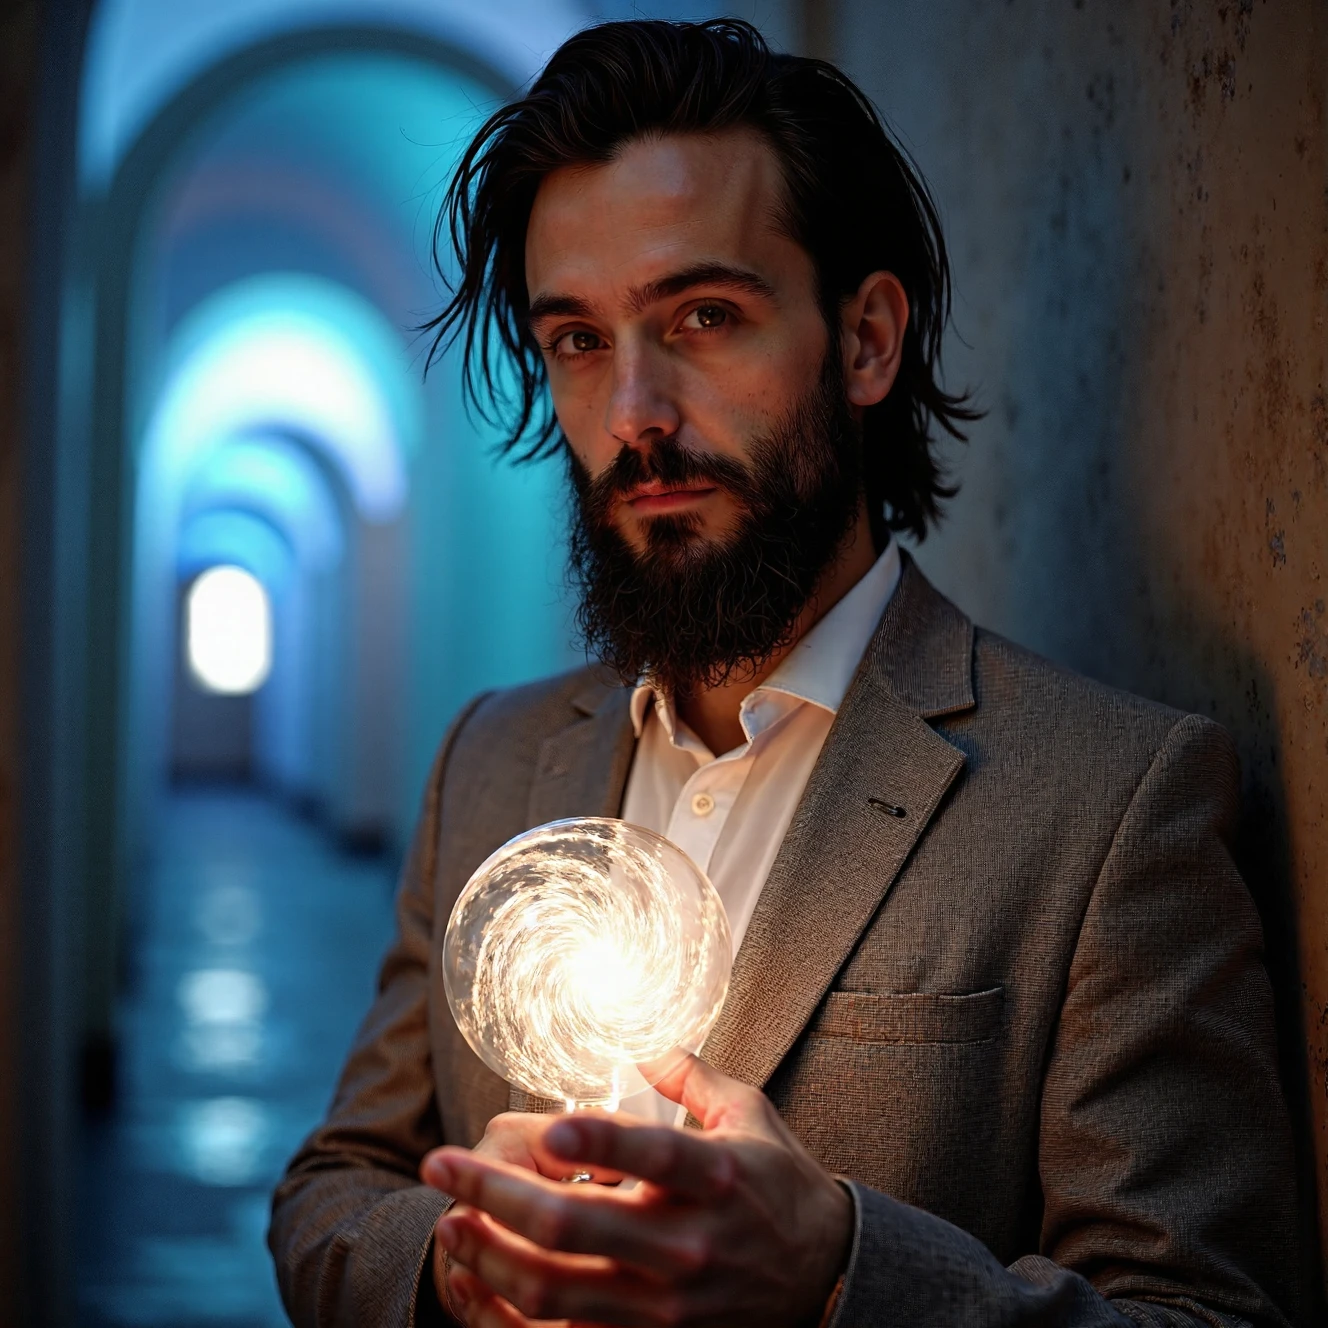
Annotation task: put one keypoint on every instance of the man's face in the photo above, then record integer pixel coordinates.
(670, 306)
(715, 458)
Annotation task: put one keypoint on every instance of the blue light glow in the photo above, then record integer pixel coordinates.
(299, 354)
(142, 52)
(239, 537)
(223, 1140)
(223, 1010)
(280, 481)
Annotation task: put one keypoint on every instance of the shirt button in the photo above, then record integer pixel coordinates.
(702, 804)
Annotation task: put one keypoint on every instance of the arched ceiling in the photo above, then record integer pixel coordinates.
(276, 479)
(142, 53)
(333, 164)
(289, 353)
(241, 538)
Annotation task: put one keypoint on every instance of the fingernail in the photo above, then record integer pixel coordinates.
(438, 1173)
(446, 1234)
(563, 1138)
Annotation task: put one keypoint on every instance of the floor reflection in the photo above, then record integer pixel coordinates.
(223, 1010)
(256, 954)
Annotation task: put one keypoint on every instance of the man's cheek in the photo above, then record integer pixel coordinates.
(581, 455)
(581, 419)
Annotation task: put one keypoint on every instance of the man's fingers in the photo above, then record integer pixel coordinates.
(480, 1306)
(544, 1285)
(518, 1137)
(514, 1137)
(492, 1251)
(432, 1169)
(713, 1098)
(574, 1220)
(686, 1164)
(488, 1183)
(519, 1145)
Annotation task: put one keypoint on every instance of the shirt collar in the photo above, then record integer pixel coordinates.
(818, 669)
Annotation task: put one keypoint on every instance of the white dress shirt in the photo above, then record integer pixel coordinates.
(729, 813)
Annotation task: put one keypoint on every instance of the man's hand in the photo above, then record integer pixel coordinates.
(517, 1139)
(735, 1226)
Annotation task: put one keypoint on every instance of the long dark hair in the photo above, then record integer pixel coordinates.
(854, 200)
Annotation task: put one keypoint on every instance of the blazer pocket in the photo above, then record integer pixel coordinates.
(910, 1017)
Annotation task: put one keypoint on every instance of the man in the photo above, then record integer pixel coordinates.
(998, 1046)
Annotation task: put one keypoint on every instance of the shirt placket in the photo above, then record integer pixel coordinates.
(703, 806)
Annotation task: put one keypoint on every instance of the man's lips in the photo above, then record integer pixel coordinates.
(656, 497)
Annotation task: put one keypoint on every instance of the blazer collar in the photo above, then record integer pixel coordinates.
(582, 768)
(880, 779)
(581, 771)
(922, 651)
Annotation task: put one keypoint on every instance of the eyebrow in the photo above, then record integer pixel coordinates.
(555, 305)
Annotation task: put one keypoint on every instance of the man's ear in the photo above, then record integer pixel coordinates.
(872, 325)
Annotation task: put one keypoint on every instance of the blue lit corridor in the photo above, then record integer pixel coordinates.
(254, 953)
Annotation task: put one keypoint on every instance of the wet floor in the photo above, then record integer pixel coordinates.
(256, 947)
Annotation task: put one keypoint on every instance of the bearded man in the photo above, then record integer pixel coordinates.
(998, 1046)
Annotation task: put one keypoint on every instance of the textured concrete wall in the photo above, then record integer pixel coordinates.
(1135, 202)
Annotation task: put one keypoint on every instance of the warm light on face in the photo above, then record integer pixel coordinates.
(229, 631)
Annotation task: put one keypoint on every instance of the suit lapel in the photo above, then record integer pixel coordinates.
(880, 779)
(582, 768)
(582, 771)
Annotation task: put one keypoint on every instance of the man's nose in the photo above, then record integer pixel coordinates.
(641, 405)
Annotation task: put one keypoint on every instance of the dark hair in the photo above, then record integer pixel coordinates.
(854, 201)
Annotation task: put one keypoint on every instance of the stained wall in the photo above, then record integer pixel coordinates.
(1134, 197)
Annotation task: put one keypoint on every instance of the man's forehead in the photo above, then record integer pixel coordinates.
(662, 203)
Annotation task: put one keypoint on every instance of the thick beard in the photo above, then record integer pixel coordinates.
(691, 613)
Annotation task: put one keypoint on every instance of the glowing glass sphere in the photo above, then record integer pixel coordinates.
(584, 958)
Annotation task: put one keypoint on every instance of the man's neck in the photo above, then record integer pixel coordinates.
(714, 714)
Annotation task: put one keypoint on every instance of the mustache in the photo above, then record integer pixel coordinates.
(665, 461)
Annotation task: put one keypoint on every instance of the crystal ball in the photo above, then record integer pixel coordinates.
(584, 958)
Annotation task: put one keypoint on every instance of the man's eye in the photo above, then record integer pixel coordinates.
(577, 343)
(706, 316)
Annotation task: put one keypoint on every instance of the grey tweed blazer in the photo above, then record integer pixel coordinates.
(1003, 977)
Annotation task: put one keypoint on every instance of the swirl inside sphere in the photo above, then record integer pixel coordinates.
(584, 957)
